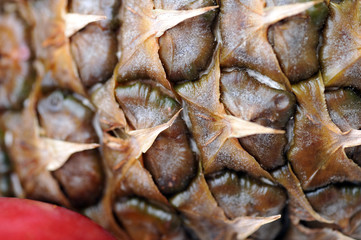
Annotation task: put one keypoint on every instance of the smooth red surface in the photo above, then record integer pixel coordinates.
(22, 219)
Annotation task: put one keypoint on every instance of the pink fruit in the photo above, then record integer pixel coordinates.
(22, 219)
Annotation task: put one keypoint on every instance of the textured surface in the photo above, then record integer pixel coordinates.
(210, 119)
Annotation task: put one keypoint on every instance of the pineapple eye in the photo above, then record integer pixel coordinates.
(54, 102)
(281, 102)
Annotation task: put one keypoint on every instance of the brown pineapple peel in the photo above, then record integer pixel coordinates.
(186, 119)
(315, 157)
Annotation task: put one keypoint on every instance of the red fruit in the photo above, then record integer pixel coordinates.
(22, 219)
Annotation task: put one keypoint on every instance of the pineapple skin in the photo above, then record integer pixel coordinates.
(209, 118)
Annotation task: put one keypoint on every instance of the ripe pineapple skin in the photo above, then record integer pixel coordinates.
(195, 181)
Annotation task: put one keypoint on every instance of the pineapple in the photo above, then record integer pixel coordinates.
(192, 119)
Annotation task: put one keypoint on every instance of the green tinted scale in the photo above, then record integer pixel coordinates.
(240, 195)
(146, 220)
(141, 102)
(170, 159)
(341, 203)
(6, 189)
(203, 215)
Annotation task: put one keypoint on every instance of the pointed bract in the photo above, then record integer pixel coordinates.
(301, 208)
(147, 136)
(341, 60)
(139, 142)
(139, 35)
(278, 13)
(246, 226)
(166, 19)
(212, 127)
(57, 152)
(50, 44)
(243, 28)
(317, 151)
(34, 155)
(242, 128)
(207, 219)
(74, 22)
